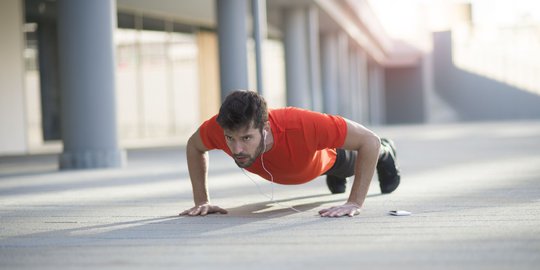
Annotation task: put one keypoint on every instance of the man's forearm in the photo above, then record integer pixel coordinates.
(198, 168)
(366, 163)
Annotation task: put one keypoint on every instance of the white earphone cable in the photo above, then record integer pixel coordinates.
(271, 180)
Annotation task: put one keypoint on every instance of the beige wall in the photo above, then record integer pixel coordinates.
(209, 92)
(12, 113)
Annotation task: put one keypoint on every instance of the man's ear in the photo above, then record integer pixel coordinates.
(266, 127)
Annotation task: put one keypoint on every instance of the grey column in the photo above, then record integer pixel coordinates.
(258, 8)
(297, 57)
(354, 101)
(49, 80)
(361, 104)
(376, 94)
(314, 58)
(87, 83)
(232, 36)
(329, 73)
(364, 102)
(343, 74)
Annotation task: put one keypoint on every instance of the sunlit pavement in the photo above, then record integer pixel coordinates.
(473, 190)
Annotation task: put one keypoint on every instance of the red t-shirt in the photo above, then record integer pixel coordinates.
(304, 146)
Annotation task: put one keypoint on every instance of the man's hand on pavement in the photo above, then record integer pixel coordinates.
(348, 209)
(203, 210)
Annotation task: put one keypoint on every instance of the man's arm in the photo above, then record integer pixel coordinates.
(197, 159)
(367, 144)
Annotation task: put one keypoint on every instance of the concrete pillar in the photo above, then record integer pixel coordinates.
(232, 36)
(297, 58)
(363, 87)
(376, 94)
(343, 74)
(359, 101)
(13, 130)
(354, 102)
(87, 84)
(48, 75)
(314, 58)
(258, 10)
(329, 73)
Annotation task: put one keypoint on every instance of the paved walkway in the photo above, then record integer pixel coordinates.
(473, 190)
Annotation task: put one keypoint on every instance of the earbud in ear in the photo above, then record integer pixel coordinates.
(264, 134)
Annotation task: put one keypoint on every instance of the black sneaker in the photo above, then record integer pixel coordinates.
(387, 168)
(336, 184)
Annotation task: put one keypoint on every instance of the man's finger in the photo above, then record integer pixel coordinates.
(323, 212)
(326, 210)
(204, 210)
(327, 213)
(195, 211)
(221, 210)
(187, 212)
(331, 212)
(338, 211)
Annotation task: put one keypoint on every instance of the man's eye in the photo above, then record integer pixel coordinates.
(247, 138)
(228, 138)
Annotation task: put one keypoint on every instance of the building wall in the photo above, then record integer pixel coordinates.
(13, 136)
(476, 96)
(157, 86)
(404, 95)
(208, 75)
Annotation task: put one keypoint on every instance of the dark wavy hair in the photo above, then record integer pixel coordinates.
(242, 108)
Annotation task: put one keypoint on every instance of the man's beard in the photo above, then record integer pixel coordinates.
(251, 159)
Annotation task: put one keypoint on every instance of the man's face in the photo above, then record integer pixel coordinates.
(246, 144)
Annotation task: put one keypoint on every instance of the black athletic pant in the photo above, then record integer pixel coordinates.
(345, 162)
(344, 165)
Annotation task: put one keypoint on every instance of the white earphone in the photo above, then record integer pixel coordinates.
(271, 197)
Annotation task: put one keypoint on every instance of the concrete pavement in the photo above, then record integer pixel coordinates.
(473, 190)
